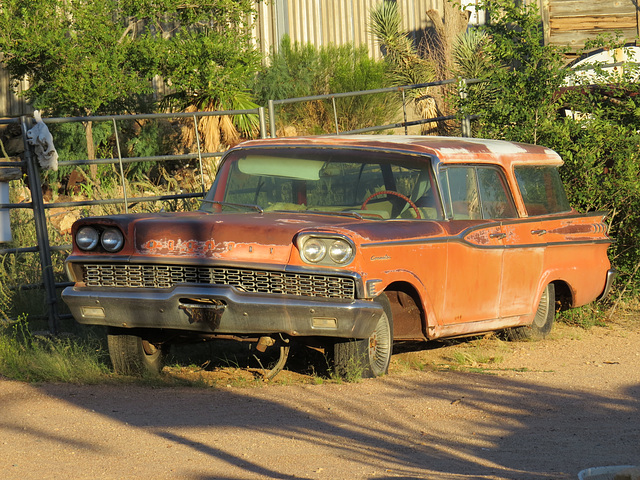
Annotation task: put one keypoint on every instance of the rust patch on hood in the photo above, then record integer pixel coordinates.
(250, 237)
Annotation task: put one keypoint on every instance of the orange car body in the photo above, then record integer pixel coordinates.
(465, 263)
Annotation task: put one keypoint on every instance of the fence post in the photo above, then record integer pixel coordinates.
(404, 111)
(42, 234)
(272, 119)
(466, 119)
(263, 124)
(335, 114)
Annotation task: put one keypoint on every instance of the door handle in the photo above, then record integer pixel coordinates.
(498, 235)
(538, 232)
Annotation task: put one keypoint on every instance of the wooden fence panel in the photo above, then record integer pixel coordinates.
(572, 22)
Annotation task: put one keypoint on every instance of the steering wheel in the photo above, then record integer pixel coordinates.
(391, 192)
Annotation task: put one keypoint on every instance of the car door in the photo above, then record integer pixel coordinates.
(476, 200)
(527, 240)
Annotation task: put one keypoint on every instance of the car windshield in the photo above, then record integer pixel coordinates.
(372, 184)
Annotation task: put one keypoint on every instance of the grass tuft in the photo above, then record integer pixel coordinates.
(33, 358)
(592, 315)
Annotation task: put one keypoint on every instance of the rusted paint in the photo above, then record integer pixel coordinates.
(447, 149)
(569, 229)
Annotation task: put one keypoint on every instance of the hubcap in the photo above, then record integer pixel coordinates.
(379, 346)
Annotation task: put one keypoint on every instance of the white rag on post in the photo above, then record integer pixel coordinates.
(40, 137)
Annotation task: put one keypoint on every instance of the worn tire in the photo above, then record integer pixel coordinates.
(133, 355)
(367, 357)
(543, 320)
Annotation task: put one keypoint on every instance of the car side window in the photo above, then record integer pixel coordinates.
(476, 192)
(496, 201)
(542, 190)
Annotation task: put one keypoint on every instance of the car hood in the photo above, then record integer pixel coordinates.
(267, 237)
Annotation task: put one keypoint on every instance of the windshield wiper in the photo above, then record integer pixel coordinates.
(238, 206)
(342, 214)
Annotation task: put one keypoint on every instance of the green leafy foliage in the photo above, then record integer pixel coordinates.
(592, 315)
(298, 70)
(406, 66)
(90, 57)
(77, 56)
(601, 147)
(525, 73)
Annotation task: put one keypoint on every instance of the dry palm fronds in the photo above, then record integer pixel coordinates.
(214, 131)
(426, 107)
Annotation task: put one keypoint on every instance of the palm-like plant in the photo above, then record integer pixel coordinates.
(406, 65)
(471, 57)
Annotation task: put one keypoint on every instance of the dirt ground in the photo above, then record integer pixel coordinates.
(479, 409)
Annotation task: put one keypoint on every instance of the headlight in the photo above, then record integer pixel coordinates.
(340, 251)
(325, 249)
(112, 240)
(314, 250)
(87, 238)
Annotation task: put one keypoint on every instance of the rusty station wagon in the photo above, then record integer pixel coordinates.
(344, 244)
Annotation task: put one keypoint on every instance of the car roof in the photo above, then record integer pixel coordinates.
(446, 149)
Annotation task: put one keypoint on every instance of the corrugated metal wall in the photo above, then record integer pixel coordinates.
(10, 104)
(322, 22)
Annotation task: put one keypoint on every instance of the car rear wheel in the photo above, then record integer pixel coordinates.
(543, 320)
(367, 357)
(134, 355)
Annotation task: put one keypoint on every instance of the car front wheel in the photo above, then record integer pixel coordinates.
(134, 355)
(367, 357)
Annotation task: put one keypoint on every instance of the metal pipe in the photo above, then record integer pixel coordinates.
(398, 125)
(149, 116)
(335, 114)
(195, 126)
(124, 181)
(158, 158)
(272, 118)
(42, 234)
(404, 112)
(370, 92)
(263, 124)
(466, 121)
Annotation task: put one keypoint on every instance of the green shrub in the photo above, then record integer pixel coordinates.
(303, 70)
(592, 315)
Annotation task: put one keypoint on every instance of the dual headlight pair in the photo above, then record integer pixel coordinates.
(111, 238)
(325, 250)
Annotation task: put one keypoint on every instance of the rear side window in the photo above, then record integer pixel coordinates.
(542, 190)
(476, 192)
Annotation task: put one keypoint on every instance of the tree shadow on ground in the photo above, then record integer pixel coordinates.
(444, 425)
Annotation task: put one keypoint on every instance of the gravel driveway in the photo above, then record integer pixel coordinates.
(550, 410)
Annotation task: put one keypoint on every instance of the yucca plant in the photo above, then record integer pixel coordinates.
(471, 59)
(210, 68)
(406, 65)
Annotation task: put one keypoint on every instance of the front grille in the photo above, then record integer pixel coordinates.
(258, 281)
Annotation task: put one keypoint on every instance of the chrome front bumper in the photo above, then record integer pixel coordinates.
(223, 310)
